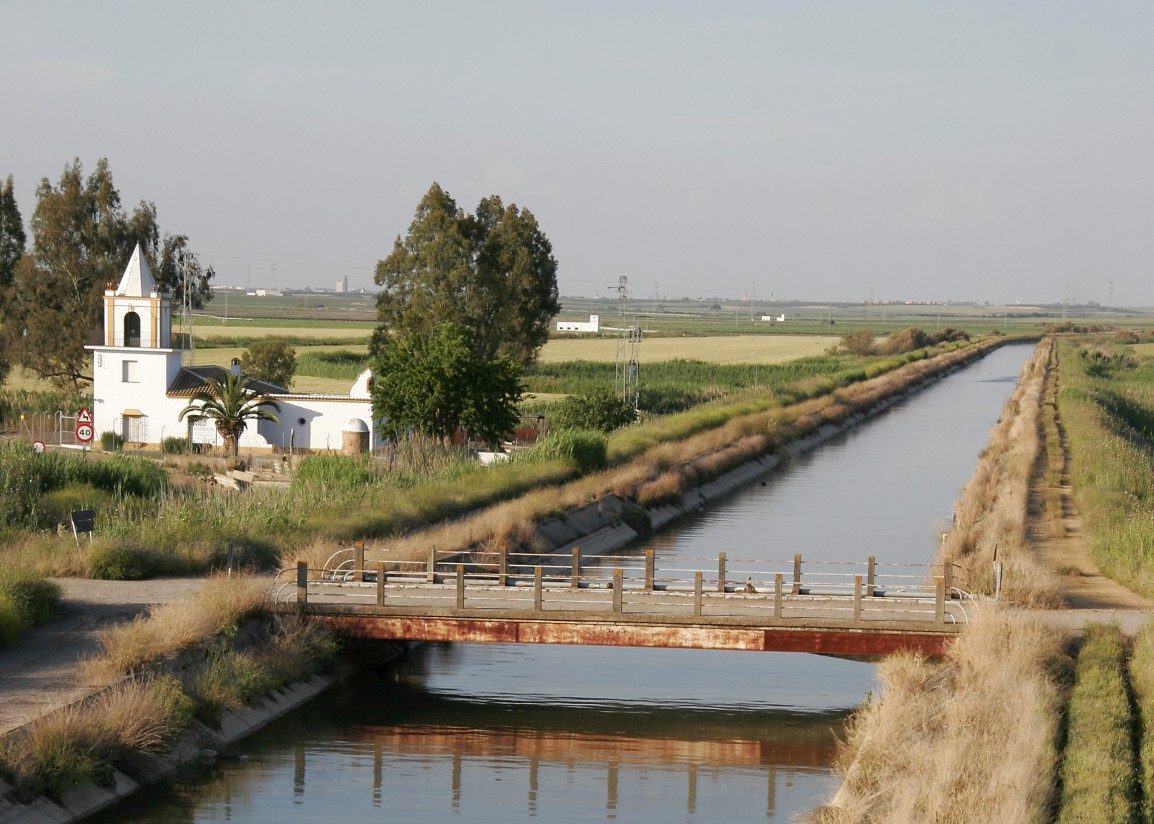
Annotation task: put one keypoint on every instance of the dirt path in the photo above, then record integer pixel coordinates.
(40, 673)
(1062, 545)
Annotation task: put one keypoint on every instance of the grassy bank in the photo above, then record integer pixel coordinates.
(233, 652)
(991, 514)
(972, 738)
(1107, 408)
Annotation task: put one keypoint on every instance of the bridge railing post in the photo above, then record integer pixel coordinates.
(359, 560)
(502, 566)
(380, 583)
(649, 565)
(575, 569)
(537, 588)
(797, 574)
(460, 586)
(857, 599)
(302, 584)
(431, 568)
(721, 572)
(940, 602)
(777, 581)
(948, 574)
(618, 583)
(871, 576)
(697, 595)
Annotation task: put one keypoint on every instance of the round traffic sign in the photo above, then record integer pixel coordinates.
(38, 447)
(84, 432)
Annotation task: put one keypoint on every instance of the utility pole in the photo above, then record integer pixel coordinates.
(626, 371)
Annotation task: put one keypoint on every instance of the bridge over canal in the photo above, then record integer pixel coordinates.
(863, 610)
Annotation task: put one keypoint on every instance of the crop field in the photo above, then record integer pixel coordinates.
(720, 349)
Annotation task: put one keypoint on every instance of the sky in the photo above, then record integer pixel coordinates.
(822, 151)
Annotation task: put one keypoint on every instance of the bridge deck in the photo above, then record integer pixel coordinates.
(615, 612)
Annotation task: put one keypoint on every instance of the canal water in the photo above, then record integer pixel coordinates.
(507, 733)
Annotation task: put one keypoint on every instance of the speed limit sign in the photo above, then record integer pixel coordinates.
(84, 430)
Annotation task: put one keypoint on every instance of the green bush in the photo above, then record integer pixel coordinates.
(11, 622)
(111, 441)
(26, 599)
(596, 409)
(113, 561)
(331, 472)
(174, 445)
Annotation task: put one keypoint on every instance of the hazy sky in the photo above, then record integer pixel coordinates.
(818, 150)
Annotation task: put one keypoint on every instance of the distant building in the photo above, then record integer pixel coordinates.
(592, 325)
(771, 318)
(343, 285)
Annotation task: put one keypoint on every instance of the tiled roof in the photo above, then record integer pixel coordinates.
(191, 379)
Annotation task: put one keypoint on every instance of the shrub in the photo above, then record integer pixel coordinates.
(272, 361)
(174, 445)
(120, 562)
(111, 441)
(595, 409)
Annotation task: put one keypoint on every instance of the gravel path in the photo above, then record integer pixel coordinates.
(40, 673)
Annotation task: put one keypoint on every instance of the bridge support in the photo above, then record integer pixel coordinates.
(575, 568)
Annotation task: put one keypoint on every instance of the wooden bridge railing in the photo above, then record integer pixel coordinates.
(551, 572)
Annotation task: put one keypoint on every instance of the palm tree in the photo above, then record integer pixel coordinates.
(231, 404)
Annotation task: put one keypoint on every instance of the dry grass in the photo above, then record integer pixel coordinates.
(83, 742)
(713, 349)
(1141, 670)
(171, 628)
(992, 514)
(973, 738)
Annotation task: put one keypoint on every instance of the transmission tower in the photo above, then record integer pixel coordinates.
(626, 383)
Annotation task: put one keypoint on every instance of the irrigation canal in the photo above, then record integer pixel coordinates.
(492, 732)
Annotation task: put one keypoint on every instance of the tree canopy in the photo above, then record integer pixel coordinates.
(492, 273)
(438, 384)
(272, 361)
(12, 243)
(81, 240)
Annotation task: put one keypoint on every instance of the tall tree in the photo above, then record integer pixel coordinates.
(492, 273)
(437, 384)
(231, 404)
(81, 239)
(271, 361)
(12, 242)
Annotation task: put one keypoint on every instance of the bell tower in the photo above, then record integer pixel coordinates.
(136, 313)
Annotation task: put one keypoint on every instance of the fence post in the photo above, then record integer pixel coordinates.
(575, 568)
(940, 602)
(460, 586)
(537, 588)
(857, 599)
(948, 574)
(380, 583)
(797, 574)
(302, 583)
(359, 561)
(697, 595)
(649, 563)
(777, 595)
(871, 577)
(431, 572)
(502, 567)
(721, 572)
(618, 582)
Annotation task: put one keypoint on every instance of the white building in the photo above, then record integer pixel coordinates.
(593, 325)
(140, 383)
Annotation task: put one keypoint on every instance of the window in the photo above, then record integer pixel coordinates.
(135, 428)
(131, 372)
(132, 329)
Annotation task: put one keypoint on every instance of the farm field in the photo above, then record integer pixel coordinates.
(718, 349)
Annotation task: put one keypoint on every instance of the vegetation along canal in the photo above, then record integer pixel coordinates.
(512, 733)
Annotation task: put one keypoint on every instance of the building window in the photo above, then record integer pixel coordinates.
(131, 329)
(135, 429)
(130, 371)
